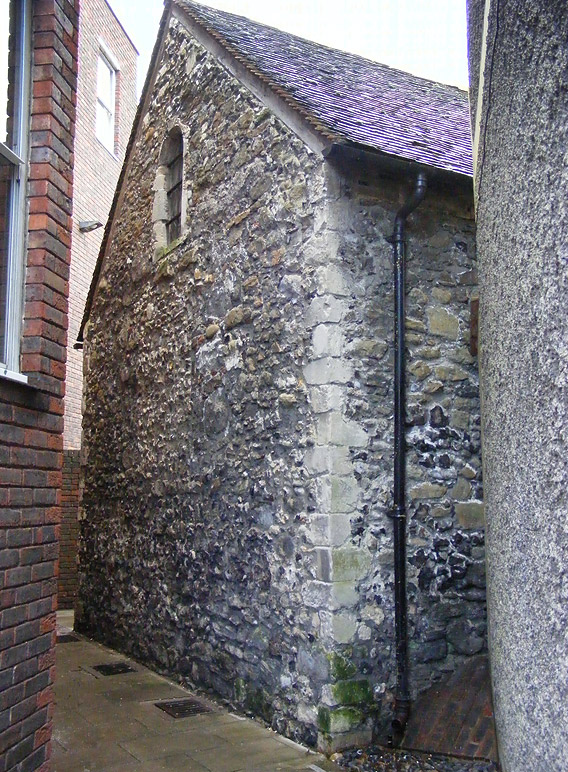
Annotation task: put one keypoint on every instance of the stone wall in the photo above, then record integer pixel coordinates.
(238, 437)
(197, 415)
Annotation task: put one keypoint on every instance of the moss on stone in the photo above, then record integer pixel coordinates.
(345, 719)
(341, 667)
(356, 692)
(239, 690)
(258, 702)
(262, 116)
(162, 252)
(165, 270)
(254, 699)
(323, 719)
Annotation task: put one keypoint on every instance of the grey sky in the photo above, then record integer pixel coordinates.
(426, 37)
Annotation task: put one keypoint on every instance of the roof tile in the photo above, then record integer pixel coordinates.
(357, 100)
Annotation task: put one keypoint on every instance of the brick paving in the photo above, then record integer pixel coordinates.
(455, 717)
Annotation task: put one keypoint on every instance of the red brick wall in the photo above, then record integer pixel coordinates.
(31, 432)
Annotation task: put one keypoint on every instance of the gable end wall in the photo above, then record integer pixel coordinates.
(238, 440)
(195, 498)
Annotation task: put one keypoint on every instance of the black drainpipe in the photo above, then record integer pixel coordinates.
(402, 695)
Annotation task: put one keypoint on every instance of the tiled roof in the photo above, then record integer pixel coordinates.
(349, 98)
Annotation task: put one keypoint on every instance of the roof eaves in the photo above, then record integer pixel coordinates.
(354, 151)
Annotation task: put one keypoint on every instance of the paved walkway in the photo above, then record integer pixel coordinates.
(111, 724)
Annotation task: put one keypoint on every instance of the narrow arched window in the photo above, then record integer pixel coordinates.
(174, 183)
(169, 190)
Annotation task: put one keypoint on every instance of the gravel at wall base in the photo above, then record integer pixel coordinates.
(379, 759)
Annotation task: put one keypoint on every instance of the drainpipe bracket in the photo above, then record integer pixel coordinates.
(397, 513)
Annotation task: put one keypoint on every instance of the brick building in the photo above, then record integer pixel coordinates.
(38, 75)
(106, 103)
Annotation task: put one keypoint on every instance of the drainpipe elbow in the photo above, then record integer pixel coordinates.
(409, 206)
(401, 715)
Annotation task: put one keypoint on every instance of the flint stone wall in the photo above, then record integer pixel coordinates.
(238, 422)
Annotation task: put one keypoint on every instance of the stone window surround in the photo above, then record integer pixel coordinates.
(160, 212)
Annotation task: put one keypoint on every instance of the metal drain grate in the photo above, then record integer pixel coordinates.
(114, 668)
(67, 638)
(187, 706)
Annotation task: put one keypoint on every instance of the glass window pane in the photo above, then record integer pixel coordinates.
(6, 173)
(6, 10)
(105, 84)
(105, 127)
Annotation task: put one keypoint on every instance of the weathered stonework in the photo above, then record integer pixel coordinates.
(238, 421)
(518, 62)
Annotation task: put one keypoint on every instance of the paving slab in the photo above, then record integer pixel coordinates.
(111, 724)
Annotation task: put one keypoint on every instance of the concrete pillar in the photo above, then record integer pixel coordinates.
(518, 66)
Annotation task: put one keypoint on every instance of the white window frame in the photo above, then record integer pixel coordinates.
(109, 60)
(17, 156)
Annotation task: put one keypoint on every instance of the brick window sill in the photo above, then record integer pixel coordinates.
(33, 381)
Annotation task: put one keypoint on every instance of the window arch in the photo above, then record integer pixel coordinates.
(168, 203)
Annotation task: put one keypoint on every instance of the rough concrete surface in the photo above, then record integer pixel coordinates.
(522, 237)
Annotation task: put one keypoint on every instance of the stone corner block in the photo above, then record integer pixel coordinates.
(330, 279)
(333, 429)
(357, 738)
(337, 495)
(344, 626)
(328, 340)
(328, 369)
(326, 397)
(327, 459)
(350, 563)
(325, 308)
